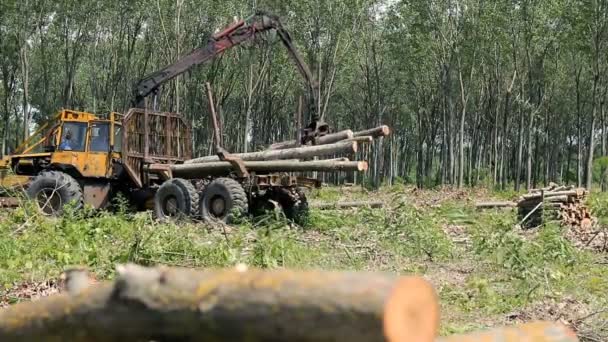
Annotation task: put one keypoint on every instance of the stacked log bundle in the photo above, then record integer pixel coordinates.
(347, 135)
(223, 167)
(565, 203)
(289, 156)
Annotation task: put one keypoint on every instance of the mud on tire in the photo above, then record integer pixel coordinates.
(52, 190)
(223, 199)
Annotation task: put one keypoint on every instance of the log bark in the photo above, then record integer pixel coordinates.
(324, 140)
(202, 170)
(170, 304)
(380, 131)
(303, 152)
(576, 193)
(334, 137)
(348, 135)
(482, 205)
(362, 139)
(346, 205)
(534, 201)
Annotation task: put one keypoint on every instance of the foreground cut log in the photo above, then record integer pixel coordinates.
(324, 140)
(347, 205)
(303, 152)
(201, 170)
(169, 304)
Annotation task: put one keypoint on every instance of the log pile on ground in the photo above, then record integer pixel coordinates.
(171, 304)
(564, 203)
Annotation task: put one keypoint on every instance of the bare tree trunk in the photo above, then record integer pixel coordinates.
(26, 83)
(464, 99)
(529, 150)
(591, 147)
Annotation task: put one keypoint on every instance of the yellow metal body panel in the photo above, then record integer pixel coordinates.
(10, 181)
(5, 162)
(89, 164)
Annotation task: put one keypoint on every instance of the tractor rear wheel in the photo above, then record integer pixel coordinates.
(176, 198)
(52, 190)
(223, 200)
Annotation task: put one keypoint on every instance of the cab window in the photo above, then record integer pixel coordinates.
(117, 138)
(73, 136)
(100, 137)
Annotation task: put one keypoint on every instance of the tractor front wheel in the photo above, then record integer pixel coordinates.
(52, 190)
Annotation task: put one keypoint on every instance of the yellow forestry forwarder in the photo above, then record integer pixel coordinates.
(83, 158)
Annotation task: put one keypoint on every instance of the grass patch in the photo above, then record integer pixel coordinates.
(483, 268)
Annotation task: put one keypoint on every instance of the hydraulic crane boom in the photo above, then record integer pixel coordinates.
(232, 36)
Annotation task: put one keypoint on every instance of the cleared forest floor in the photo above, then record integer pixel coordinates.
(487, 272)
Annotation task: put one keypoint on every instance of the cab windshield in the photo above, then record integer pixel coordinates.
(73, 136)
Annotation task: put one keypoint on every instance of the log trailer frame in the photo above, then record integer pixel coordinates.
(83, 158)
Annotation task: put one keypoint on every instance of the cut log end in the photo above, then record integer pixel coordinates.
(411, 312)
(385, 130)
(362, 166)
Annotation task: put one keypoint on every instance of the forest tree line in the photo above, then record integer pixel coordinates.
(504, 93)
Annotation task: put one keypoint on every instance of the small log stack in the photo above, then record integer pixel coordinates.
(564, 203)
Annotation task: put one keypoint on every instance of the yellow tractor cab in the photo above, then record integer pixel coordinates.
(72, 152)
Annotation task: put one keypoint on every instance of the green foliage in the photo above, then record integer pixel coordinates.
(418, 233)
(526, 258)
(488, 269)
(598, 202)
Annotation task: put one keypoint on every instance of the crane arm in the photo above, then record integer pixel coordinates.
(232, 36)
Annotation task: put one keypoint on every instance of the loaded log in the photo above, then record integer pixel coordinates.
(362, 139)
(171, 304)
(380, 131)
(202, 170)
(324, 140)
(303, 152)
(346, 135)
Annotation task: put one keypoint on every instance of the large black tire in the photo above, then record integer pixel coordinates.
(52, 190)
(224, 199)
(175, 199)
(295, 205)
(192, 195)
